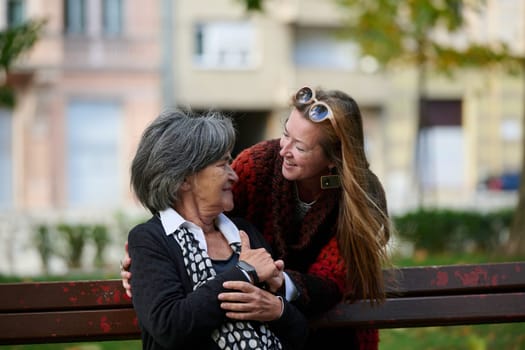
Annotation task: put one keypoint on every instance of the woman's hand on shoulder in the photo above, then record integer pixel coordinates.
(125, 274)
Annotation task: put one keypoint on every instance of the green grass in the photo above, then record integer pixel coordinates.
(508, 336)
(107, 345)
(69, 277)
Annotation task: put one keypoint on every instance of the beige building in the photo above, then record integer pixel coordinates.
(104, 68)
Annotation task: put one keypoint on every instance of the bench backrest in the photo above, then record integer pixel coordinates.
(440, 296)
(37, 312)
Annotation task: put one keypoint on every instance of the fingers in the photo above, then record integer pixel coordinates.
(125, 263)
(245, 241)
(240, 291)
(271, 310)
(125, 275)
(259, 258)
(124, 271)
(279, 264)
(258, 305)
(125, 281)
(240, 286)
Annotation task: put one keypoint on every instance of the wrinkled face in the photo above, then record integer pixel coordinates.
(303, 157)
(212, 187)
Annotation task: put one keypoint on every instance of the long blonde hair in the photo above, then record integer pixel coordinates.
(363, 225)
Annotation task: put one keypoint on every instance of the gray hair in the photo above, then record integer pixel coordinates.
(177, 144)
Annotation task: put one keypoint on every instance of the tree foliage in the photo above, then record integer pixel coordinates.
(15, 41)
(252, 5)
(419, 32)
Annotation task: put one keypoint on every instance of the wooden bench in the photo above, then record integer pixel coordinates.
(81, 311)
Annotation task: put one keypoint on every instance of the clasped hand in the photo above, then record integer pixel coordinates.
(249, 302)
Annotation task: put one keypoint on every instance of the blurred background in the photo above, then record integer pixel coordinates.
(441, 131)
(440, 84)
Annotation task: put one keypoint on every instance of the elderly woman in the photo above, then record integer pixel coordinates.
(189, 259)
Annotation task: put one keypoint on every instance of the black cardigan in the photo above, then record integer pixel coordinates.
(173, 316)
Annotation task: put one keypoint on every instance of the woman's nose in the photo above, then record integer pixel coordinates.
(285, 148)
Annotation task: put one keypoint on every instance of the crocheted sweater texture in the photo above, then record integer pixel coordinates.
(309, 248)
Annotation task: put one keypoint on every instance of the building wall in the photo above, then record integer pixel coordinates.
(126, 69)
(130, 70)
(91, 67)
(388, 100)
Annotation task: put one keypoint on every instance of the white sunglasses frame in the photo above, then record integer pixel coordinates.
(313, 101)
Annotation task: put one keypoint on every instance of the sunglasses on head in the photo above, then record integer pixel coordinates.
(318, 111)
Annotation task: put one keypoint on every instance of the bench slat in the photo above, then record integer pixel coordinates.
(428, 311)
(56, 296)
(456, 279)
(76, 311)
(427, 280)
(68, 326)
(119, 324)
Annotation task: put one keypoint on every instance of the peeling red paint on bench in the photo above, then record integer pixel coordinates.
(74, 311)
(62, 295)
(104, 325)
(441, 279)
(474, 277)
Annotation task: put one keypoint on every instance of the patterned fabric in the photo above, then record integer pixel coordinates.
(234, 334)
(309, 248)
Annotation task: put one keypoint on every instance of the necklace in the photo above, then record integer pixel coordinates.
(301, 207)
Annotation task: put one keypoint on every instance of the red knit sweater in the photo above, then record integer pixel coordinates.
(309, 248)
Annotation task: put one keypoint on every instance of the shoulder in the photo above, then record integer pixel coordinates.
(146, 231)
(260, 158)
(263, 149)
(245, 225)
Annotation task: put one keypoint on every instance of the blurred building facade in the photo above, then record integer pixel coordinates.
(104, 68)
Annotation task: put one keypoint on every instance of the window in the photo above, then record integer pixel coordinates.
(442, 159)
(15, 13)
(225, 45)
(112, 17)
(321, 48)
(441, 156)
(6, 160)
(93, 157)
(75, 16)
(103, 17)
